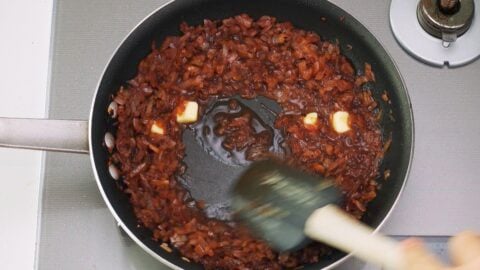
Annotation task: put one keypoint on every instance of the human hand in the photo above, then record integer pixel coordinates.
(464, 251)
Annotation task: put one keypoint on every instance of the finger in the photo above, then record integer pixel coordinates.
(464, 248)
(417, 257)
(474, 265)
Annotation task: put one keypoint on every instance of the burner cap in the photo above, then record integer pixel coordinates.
(438, 32)
(445, 19)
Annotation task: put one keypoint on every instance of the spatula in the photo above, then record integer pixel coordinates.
(288, 209)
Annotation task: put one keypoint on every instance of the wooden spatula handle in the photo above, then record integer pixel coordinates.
(333, 226)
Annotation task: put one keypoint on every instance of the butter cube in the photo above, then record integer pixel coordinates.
(158, 128)
(310, 119)
(340, 121)
(189, 114)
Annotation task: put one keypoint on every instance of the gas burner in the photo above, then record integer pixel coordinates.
(438, 32)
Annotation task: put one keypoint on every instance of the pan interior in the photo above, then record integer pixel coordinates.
(210, 169)
(322, 17)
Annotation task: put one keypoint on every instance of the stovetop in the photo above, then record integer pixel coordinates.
(78, 232)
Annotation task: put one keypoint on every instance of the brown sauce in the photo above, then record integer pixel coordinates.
(240, 56)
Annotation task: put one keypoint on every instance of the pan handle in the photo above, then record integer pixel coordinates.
(44, 134)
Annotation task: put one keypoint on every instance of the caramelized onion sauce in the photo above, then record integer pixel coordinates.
(241, 56)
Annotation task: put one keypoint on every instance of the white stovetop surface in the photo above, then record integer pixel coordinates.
(24, 55)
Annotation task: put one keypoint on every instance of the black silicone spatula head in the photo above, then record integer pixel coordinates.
(274, 201)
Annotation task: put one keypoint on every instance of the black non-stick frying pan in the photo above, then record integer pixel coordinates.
(320, 16)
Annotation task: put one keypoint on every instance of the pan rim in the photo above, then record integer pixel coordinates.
(173, 266)
(119, 221)
(411, 150)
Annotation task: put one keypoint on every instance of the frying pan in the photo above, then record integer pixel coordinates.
(322, 17)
